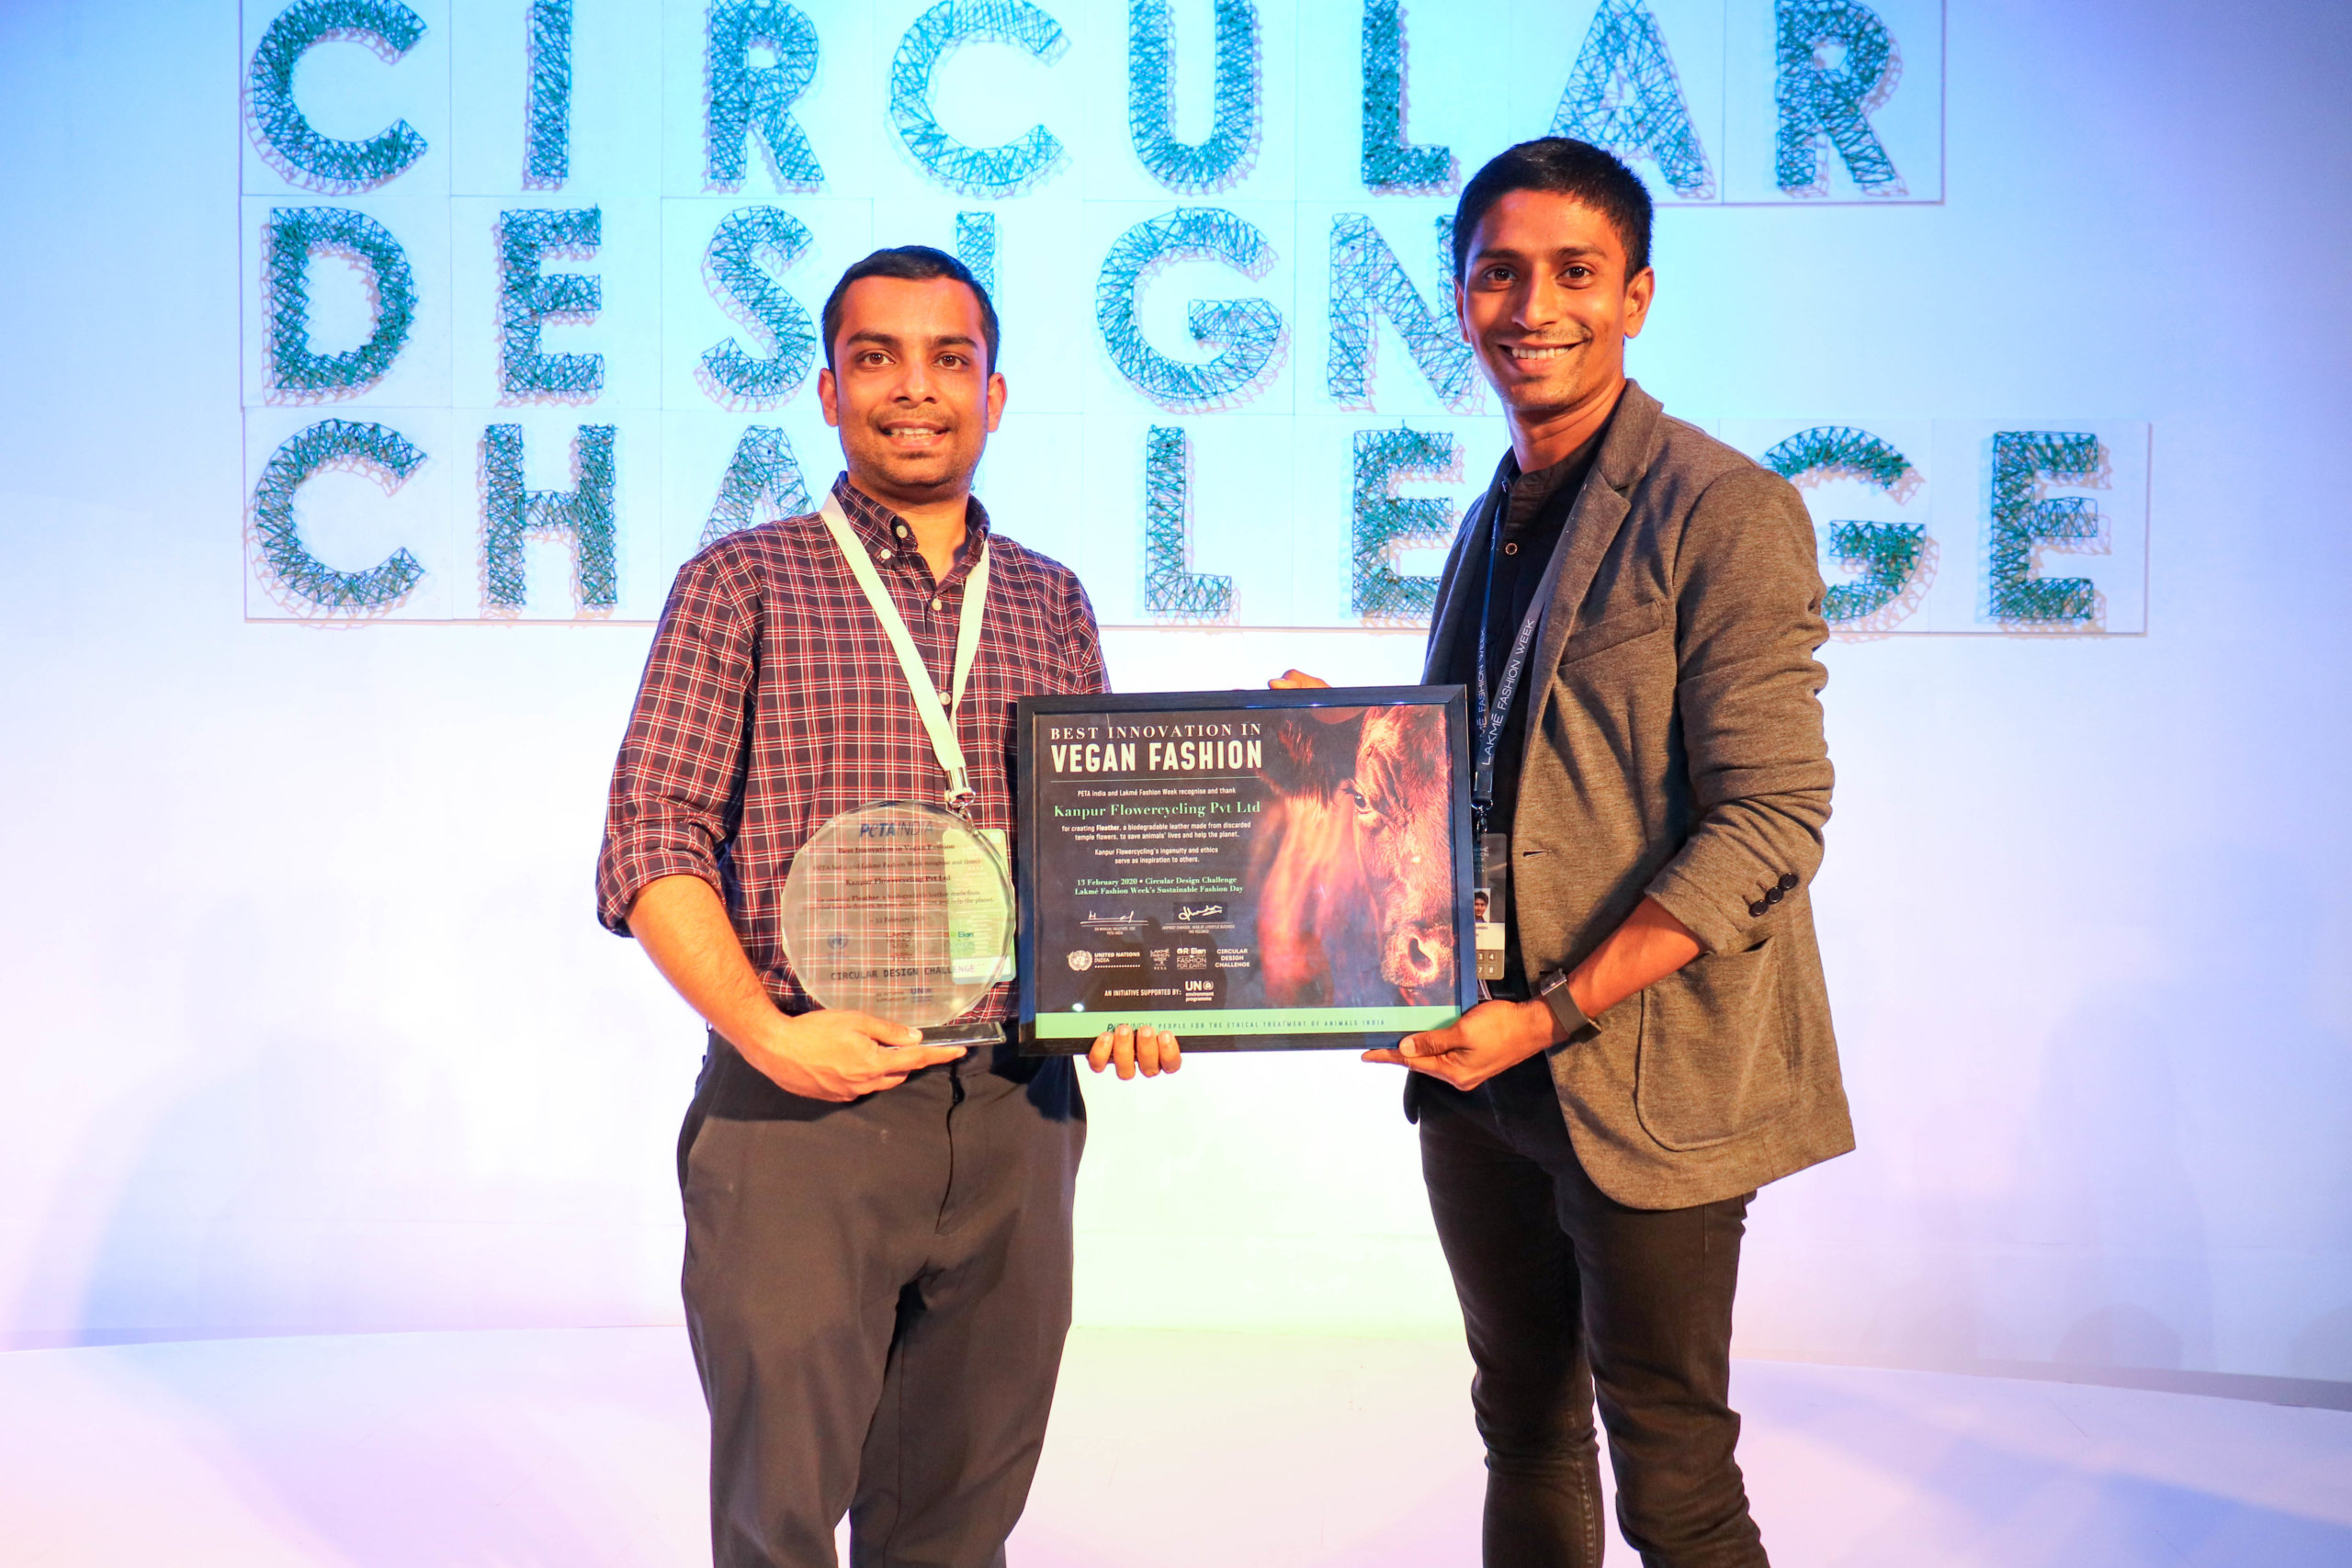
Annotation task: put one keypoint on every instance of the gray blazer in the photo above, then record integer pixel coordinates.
(1675, 749)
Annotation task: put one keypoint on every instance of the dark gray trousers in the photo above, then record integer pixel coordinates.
(1568, 1293)
(876, 1295)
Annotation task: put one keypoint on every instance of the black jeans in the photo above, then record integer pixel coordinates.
(1568, 1294)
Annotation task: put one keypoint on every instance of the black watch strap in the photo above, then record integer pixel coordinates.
(1553, 991)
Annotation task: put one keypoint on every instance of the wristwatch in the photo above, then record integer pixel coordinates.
(1553, 991)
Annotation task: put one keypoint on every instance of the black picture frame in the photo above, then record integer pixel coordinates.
(1031, 712)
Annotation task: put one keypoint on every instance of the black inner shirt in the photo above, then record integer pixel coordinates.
(1534, 513)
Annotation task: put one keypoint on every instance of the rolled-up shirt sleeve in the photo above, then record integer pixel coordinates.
(1083, 641)
(677, 783)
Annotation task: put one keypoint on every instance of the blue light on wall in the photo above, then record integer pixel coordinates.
(1224, 158)
(1820, 101)
(976, 245)
(1246, 332)
(1393, 164)
(582, 514)
(327, 161)
(999, 170)
(1622, 94)
(1367, 280)
(1171, 589)
(1884, 556)
(764, 469)
(744, 97)
(1386, 522)
(732, 256)
(527, 297)
(1339, 186)
(290, 561)
(2021, 461)
(297, 234)
(546, 126)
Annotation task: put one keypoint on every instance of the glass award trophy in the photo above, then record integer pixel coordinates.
(903, 911)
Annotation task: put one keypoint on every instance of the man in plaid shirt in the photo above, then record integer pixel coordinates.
(877, 1273)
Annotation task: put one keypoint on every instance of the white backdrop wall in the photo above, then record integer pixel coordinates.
(305, 1025)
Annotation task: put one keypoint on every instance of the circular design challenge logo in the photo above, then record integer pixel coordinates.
(1081, 962)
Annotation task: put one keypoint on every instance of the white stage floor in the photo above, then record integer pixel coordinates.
(580, 1449)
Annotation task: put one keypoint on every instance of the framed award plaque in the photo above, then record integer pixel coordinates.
(1250, 870)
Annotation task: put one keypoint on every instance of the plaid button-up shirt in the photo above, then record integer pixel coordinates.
(772, 703)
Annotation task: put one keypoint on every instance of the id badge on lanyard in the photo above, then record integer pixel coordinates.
(1491, 897)
(1490, 905)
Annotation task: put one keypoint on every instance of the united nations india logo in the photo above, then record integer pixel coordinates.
(1081, 962)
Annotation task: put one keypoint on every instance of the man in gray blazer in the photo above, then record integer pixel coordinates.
(1634, 607)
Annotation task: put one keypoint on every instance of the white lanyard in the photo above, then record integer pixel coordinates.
(937, 719)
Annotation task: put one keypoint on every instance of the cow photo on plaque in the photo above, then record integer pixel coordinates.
(1250, 870)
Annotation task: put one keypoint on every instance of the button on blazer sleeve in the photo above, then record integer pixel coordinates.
(1747, 602)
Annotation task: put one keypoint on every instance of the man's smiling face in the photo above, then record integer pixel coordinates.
(911, 388)
(1545, 303)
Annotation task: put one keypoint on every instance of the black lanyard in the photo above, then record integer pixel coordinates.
(1493, 714)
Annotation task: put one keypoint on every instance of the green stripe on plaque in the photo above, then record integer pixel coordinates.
(1250, 1021)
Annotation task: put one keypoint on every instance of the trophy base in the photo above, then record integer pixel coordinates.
(972, 1034)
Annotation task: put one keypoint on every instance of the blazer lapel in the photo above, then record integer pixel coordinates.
(1476, 529)
(1591, 528)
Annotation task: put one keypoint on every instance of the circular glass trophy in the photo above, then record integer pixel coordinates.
(903, 911)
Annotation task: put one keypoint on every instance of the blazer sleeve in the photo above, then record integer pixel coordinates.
(1747, 692)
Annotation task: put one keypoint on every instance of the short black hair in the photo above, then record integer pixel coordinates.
(916, 264)
(1562, 167)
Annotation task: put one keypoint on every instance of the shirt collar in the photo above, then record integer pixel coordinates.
(879, 527)
(882, 528)
(1540, 485)
(1545, 496)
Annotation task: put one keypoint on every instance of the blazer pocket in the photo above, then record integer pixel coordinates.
(1709, 1066)
(1612, 631)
